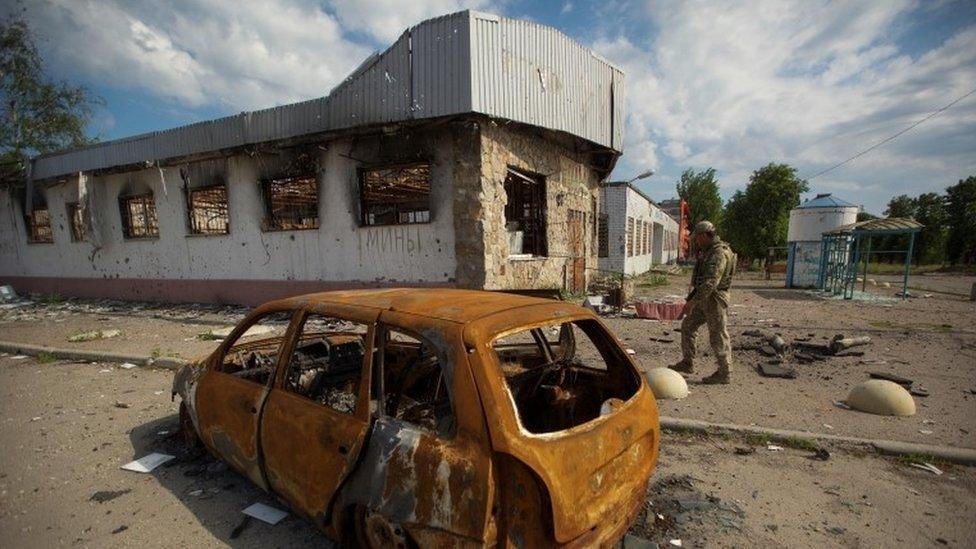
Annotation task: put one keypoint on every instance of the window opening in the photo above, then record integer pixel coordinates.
(525, 213)
(604, 235)
(327, 363)
(630, 237)
(397, 195)
(76, 222)
(207, 210)
(291, 203)
(415, 386)
(139, 216)
(39, 226)
(564, 374)
(254, 354)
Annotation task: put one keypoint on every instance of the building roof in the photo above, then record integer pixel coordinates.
(825, 200)
(884, 225)
(631, 186)
(462, 63)
(454, 305)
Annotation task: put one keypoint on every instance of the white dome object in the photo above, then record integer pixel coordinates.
(666, 383)
(883, 397)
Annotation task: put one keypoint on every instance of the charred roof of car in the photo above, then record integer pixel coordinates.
(453, 305)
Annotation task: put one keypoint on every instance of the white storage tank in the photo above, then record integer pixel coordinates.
(808, 222)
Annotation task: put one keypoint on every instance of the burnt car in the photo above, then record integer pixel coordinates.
(431, 417)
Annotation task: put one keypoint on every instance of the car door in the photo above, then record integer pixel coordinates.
(231, 393)
(317, 412)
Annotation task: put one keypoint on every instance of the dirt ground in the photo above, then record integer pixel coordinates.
(929, 340)
(67, 428)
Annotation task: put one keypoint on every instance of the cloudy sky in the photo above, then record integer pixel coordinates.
(730, 85)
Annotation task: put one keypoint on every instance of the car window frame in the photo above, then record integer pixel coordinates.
(379, 365)
(363, 399)
(250, 320)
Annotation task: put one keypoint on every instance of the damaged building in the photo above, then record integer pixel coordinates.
(470, 153)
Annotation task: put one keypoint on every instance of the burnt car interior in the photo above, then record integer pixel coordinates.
(326, 364)
(415, 389)
(254, 354)
(564, 375)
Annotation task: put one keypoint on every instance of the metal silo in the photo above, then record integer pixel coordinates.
(808, 221)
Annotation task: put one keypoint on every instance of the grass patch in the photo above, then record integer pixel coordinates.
(918, 459)
(653, 280)
(208, 336)
(45, 358)
(800, 443)
(52, 298)
(918, 326)
(156, 352)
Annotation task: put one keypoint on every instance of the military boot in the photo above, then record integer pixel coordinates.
(722, 375)
(684, 366)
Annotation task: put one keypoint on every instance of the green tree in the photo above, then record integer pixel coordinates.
(930, 243)
(961, 220)
(700, 191)
(758, 218)
(865, 216)
(901, 206)
(37, 115)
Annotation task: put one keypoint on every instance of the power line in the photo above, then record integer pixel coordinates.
(891, 137)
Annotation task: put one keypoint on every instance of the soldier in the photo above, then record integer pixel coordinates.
(708, 303)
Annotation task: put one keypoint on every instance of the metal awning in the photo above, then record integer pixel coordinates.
(888, 225)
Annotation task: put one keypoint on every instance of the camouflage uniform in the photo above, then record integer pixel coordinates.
(711, 280)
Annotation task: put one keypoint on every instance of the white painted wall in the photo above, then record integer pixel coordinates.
(340, 250)
(621, 202)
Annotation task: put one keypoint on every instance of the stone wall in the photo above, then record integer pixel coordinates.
(570, 185)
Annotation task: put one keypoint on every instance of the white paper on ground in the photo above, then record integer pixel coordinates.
(265, 513)
(128, 365)
(146, 464)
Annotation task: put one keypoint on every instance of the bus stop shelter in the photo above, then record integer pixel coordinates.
(848, 249)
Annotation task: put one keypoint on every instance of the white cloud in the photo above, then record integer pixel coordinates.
(242, 55)
(385, 20)
(737, 85)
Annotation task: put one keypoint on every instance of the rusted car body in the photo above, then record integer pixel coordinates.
(432, 417)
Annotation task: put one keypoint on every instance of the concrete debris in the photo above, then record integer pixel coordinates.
(777, 371)
(841, 343)
(121, 404)
(774, 448)
(7, 294)
(675, 542)
(265, 513)
(93, 335)
(777, 343)
(103, 496)
(767, 350)
(146, 464)
(127, 366)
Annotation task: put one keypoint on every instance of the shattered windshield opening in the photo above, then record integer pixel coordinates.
(564, 374)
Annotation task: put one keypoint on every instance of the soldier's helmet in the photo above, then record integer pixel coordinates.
(704, 227)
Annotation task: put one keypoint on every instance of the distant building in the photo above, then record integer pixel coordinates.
(468, 154)
(634, 234)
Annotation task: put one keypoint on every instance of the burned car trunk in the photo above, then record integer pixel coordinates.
(433, 417)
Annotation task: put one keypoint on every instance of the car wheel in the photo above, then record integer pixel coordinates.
(186, 428)
(373, 531)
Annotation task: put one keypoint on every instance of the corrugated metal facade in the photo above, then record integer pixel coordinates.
(466, 62)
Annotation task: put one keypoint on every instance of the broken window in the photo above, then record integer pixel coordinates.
(396, 195)
(327, 363)
(253, 355)
(414, 387)
(603, 231)
(630, 237)
(39, 226)
(207, 210)
(525, 213)
(564, 374)
(76, 221)
(291, 203)
(139, 216)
